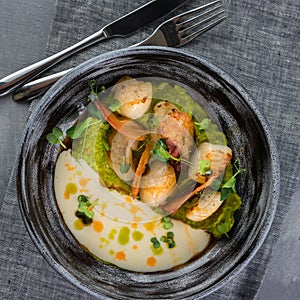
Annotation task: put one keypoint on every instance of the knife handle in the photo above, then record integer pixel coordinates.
(17, 79)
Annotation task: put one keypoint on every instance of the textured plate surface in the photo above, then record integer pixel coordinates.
(248, 134)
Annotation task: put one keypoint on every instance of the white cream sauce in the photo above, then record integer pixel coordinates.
(122, 227)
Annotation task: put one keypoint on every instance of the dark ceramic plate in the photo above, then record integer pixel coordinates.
(248, 134)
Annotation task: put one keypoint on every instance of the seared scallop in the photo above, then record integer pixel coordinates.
(219, 157)
(158, 183)
(176, 126)
(164, 108)
(134, 96)
(209, 202)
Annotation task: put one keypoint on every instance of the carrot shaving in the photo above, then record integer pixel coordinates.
(135, 187)
(174, 205)
(127, 127)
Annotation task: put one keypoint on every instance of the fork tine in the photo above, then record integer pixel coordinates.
(177, 19)
(184, 32)
(196, 17)
(188, 38)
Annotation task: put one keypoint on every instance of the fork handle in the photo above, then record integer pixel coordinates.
(17, 79)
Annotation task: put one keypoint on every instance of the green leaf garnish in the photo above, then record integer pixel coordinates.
(94, 90)
(115, 105)
(160, 151)
(224, 227)
(94, 111)
(57, 132)
(55, 137)
(204, 124)
(78, 129)
(204, 167)
(52, 139)
(229, 186)
(92, 84)
(225, 192)
(84, 210)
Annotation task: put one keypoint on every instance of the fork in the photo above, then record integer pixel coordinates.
(175, 32)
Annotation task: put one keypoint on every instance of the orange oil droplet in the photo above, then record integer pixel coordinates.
(98, 226)
(134, 225)
(150, 227)
(84, 181)
(66, 195)
(151, 261)
(120, 256)
(128, 199)
(69, 167)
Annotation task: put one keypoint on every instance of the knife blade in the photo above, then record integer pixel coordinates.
(141, 17)
(121, 27)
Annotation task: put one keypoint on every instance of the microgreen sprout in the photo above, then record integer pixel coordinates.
(55, 137)
(229, 186)
(77, 130)
(84, 210)
(224, 227)
(161, 153)
(94, 90)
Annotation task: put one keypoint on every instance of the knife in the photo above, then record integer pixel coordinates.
(122, 27)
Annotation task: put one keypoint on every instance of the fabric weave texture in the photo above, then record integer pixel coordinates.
(258, 44)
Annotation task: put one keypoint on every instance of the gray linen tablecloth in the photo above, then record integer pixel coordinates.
(258, 44)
